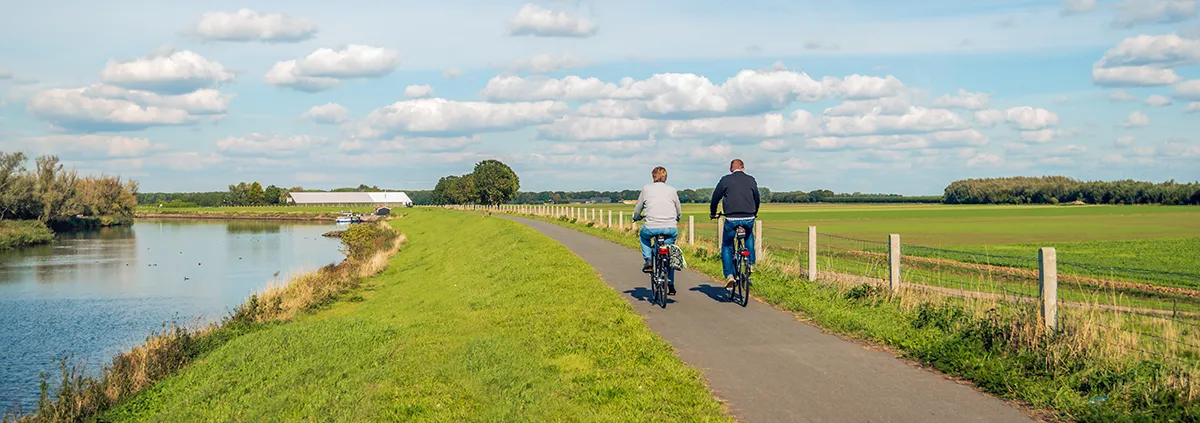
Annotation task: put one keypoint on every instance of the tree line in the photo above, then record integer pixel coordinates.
(1062, 189)
(60, 197)
(491, 182)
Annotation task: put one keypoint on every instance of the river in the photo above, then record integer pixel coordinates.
(97, 293)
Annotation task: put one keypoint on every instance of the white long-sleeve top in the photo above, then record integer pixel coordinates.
(659, 204)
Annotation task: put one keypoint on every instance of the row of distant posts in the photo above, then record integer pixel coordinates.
(1047, 259)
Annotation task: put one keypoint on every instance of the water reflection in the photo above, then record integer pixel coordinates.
(100, 292)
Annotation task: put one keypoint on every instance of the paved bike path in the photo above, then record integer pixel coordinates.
(771, 368)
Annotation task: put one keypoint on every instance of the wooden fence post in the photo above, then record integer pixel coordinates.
(812, 253)
(758, 241)
(1048, 286)
(691, 230)
(621, 221)
(894, 261)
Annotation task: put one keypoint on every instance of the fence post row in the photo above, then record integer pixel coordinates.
(812, 253)
(1048, 286)
(894, 261)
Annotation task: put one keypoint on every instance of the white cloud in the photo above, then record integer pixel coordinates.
(327, 113)
(452, 73)
(546, 63)
(794, 163)
(775, 145)
(1187, 90)
(864, 87)
(1030, 119)
(674, 96)
(711, 152)
(540, 22)
(598, 129)
(75, 110)
(964, 100)
(1158, 101)
(988, 118)
(447, 117)
(1039, 137)
(1134, 76)
(414, 144)
(1121, 96)
(1073, 7)
(1167, 50)
(186, 161)
(1125, 141)
(325, 68)
(886, 106)
(248, 25)
(1113, 159)
(886, 142)
(985, 159)
(611, 108)
(960, 138)
(1193, 107)
(1136, 119)
(166, 71)
(270, 145)
(199, 102)
(418, 91)
(1139, 12)
(1190, 32)
(746, 127)
(916, 120)
(69, 146)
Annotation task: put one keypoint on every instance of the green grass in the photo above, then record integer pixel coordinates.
(998, 346)
(476, 319)
(22, 233)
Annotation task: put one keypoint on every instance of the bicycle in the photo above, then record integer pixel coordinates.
(660, 275)
(739, 292)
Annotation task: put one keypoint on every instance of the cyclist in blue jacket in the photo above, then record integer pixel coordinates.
(739, 193)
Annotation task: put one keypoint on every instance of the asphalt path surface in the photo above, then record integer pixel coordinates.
(768, 366)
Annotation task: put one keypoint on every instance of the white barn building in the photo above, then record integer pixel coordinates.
(374, 198)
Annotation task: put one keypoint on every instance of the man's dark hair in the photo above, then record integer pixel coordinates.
(736, 164)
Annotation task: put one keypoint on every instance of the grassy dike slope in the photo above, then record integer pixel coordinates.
(476, 319)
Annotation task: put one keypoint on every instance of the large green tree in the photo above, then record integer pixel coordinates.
(462, 190)
(495, 182)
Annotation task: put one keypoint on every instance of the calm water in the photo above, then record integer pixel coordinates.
(95, 294)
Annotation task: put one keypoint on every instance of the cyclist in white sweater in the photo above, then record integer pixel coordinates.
(659, 205)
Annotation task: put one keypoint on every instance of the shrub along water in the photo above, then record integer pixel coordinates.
(60, 198)
(16, 234)
(79, 395)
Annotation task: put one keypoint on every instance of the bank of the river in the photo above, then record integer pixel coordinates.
(23, 233)
(479, 319)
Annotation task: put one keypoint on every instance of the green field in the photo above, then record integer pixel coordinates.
(476, 319)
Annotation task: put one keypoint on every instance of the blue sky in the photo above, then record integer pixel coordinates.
(850, 96)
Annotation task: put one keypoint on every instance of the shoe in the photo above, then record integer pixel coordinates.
(647, 267)
(729, 281)
(671, 289)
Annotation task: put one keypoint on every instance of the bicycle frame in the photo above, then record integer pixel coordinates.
(660, 277)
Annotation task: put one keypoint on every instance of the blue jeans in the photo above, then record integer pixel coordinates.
(647, 235)
(727, 242)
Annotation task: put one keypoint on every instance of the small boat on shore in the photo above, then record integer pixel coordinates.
(349, 217)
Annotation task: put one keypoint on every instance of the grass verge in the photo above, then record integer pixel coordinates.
(23, 233)
(80, 397)
(1083, 373)
(479, 319)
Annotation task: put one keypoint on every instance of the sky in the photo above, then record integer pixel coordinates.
(851, 96)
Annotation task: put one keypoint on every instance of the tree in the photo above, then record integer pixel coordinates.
(54, 188)
(495, 182)
(462, 190)
(273, 195)
(255, 194)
